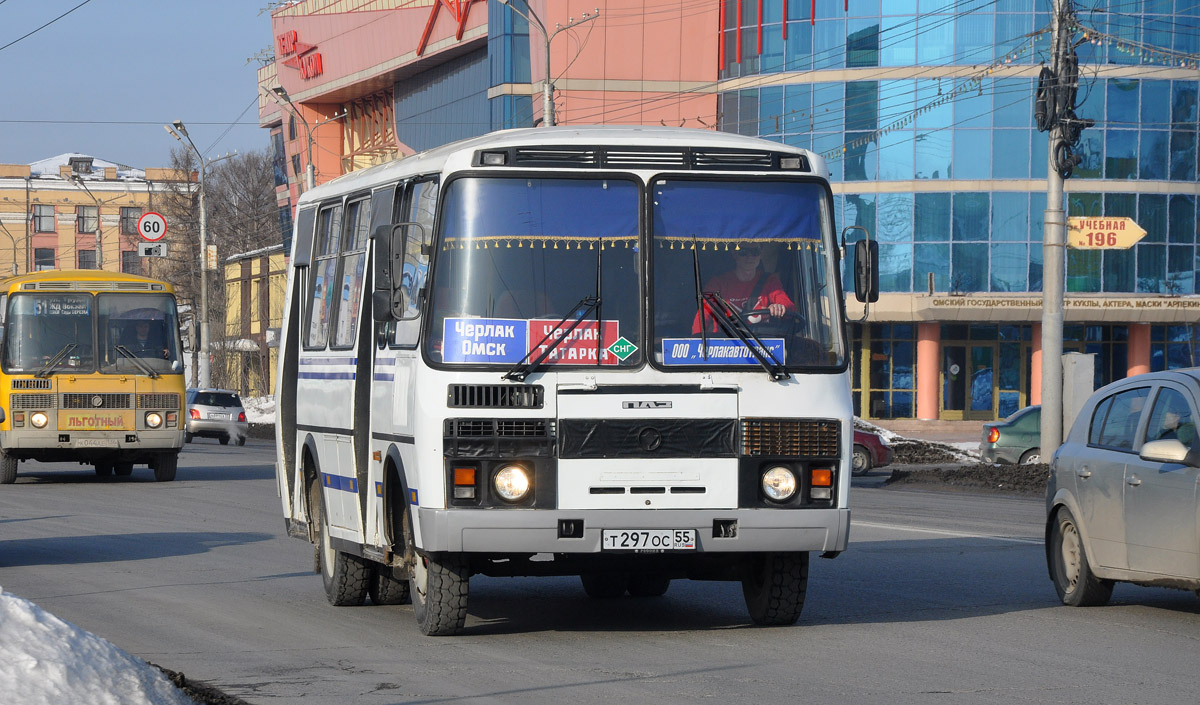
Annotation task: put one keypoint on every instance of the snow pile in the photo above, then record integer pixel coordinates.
(46, 661)
(259, 410)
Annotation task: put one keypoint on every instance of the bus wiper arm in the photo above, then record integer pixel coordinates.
(48, 368)
(700, 300)
(733, 324)
(522, 369)
(136, 361)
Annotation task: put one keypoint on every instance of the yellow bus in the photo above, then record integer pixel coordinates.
(91, 372)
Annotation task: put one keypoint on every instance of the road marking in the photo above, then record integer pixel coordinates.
(943, 532)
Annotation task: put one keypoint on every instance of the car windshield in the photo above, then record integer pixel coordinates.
(524, 259)
(758, 248)
(225, 399)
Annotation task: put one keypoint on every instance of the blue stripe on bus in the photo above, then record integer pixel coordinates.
(326, 375)
(329, 361)
(337, 482)
(385, 377)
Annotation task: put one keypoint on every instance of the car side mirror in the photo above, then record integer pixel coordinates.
(391, 243)
(1169, 450)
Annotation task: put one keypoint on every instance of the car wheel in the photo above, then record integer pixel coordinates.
(8, 469)
(860, 461)
(1031, 457)
(187, 437)
(165, 466)
(224, 440)
(774, 587)
(648, 585)
(604, 586)
(1073, 578)
(241, 440)
(438, 585)
(385, 589)
(343, 576)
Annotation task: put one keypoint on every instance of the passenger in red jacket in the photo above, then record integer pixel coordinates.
(746, 279)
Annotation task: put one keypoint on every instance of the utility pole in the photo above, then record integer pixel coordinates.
(547, 37)
(1055, 113)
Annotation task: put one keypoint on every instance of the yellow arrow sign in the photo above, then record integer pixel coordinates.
(1103, 233)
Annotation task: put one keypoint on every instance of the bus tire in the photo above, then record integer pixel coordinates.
(774, 587)
(648, 585)
(123, 469)
(8, 469)
(343, 576)
(385, 589)
(438, 587)
(103, 469)
(165, 465)
(604, 586)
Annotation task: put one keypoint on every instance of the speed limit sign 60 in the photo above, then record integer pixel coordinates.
(152, 227)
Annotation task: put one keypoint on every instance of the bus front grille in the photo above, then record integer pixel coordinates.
(77, 400)
(495, 396)
(33, 401)
(31, 384)
(158, 401)
(799, 438)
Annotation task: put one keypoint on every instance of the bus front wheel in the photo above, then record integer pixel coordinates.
(164, 467)
(437, 586)
(8, 469)
(774, 586)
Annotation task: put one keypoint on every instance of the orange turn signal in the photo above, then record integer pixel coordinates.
(464, 477)
(822, 477)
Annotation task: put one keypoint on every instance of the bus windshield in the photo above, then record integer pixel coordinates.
(522, 259)
(47, 333)
(756, 247)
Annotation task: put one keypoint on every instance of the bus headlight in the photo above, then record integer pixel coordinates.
(154, 419)
(39, 419)
(512, 483)
(779, 483)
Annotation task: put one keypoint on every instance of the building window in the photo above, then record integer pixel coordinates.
(130, 262)
(43, 258)
(87, 259)
(886, 361)
(87, 219)
(296, 165)
(43, 219)
(291, 127)
(129, 220)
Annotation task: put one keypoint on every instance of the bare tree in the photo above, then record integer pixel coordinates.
(243, 216)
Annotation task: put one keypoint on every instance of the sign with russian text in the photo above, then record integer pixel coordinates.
(95, 420)
(580, 346)
(484, 340)
(1103, 233)
(721, 351)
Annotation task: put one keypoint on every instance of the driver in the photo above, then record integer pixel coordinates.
(747, 288)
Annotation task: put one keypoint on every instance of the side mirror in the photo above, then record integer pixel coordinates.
(1169, 450)
(391, 297)
(866, 271)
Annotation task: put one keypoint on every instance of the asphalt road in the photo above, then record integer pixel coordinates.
(942, 597)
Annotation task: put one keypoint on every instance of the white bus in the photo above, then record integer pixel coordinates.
(493, 362)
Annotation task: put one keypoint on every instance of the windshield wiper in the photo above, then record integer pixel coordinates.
(700, 299)
(48, 368)
(523, 369)
(136, 361)
(733, 324)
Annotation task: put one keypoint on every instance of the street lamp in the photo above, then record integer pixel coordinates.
(78, 181)
(548, 85)
(204, 376)
(277, 94)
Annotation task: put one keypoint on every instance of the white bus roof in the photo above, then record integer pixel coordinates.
(434, 160)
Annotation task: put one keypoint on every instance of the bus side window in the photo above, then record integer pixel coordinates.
(418, 205)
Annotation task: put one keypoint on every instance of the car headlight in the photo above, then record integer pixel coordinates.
(779, 483)
(154, 419)
(39, 419)
(512, 483)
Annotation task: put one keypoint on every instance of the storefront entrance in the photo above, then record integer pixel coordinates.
(968, 381)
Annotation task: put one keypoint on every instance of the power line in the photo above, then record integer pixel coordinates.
(56, 19)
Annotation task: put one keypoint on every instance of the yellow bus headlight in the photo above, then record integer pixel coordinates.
(39, 419)
(154, 419)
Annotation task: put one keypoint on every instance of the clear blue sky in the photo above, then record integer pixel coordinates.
(105, 78)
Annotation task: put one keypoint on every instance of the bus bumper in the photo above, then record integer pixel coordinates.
(717, 531)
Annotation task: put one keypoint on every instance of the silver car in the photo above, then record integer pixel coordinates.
(1122, 495)
(215, 413)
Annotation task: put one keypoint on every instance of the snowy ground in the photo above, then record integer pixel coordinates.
(46, 661)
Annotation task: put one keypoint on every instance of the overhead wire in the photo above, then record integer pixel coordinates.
(56, 19)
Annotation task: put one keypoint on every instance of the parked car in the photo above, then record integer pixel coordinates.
(1121, 499)
(215, 413)
(1015, 439)
(871, 450)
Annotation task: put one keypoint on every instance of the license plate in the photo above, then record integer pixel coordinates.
(221, 417)
(96, 443)
(648, 540)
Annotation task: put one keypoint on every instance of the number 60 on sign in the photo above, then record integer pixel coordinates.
(152, 226)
